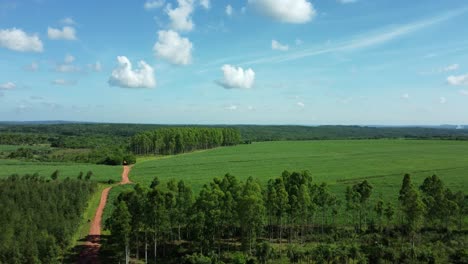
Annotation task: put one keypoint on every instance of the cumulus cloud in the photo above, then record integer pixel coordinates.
(205, 4)
(237, 78)
(173, 48)
(458, 80)
(66, 33)
(7, 86)
(126, 77)
(96, 67)
(300, 104)
(18, 40)
(181, 16)
(442, 100)
(229, 10)
(287, 11)
(275, 45)
(62, 82)
(68, 21)
(153, 4)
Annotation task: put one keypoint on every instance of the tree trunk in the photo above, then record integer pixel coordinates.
(146, 248)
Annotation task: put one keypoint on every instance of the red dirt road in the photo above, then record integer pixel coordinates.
(90, 254)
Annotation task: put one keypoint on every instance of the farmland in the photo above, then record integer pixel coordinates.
(101, 173)
(337, 162)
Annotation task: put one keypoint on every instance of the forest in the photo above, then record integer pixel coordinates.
(291, 220)
(40, 216)
(170, 141)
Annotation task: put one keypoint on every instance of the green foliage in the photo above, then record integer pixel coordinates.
(39, 217)
(169, 141)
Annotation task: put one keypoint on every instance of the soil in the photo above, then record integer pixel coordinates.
(90, 253)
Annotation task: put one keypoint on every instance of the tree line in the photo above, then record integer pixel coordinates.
(169, 141)
(40, 217)
(283, 219)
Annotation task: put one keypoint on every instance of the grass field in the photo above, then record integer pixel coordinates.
(101, 172)
(339, 163)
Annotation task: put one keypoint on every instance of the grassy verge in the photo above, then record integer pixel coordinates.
(83, 229)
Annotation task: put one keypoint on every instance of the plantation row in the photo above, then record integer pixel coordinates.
(295, 219)
(39, 217)
(168, 141)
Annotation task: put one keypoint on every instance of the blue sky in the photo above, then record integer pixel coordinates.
(309, 62)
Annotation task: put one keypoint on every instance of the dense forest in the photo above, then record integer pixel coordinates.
(292, 220)
(40, 217)
(169, 141)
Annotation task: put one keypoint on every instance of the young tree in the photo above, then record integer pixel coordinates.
(389, 212)
(251, 213)
(120, 227)
(55, 175)
(411, 205)
(364, 189)
(379, 211)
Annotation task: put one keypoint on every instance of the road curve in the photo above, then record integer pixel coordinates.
(90, 254)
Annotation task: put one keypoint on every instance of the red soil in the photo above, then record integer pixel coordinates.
(90, 254)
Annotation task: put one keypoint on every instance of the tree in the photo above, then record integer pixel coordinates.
(379, 211)
(120, 227)
(55, 175)
(89, 174)
(411, 204)
(251, 213)
(364, 189)
(389, 212)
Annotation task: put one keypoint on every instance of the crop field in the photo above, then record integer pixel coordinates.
(339, 163)
(100, 172)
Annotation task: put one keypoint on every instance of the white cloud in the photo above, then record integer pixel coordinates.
(34, 66)
(66, 33)
(231, 107)
(237, 78)
(250, 108)
(153, 4)
(173, 48)
(300, 104)
(181, 17)
(69, 58)
(463, 92)
(370, 39)
(67, 68)
(124, 76)
(68, 21)
(17, 40)
(347, 1)
(7, 86)
(442, 100)
(458, 80)
(452, 67)
(62, 82)
(96, 67)
(275, 45)
(288, 11)
(405, 96)
(205, 4)
(229, 10)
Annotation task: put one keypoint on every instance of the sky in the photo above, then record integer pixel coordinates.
(306, 62)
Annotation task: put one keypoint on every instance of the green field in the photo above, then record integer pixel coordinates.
(101, 172)
(337, 162)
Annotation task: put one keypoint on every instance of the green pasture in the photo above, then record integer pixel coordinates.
(100, 172)
(337, 162)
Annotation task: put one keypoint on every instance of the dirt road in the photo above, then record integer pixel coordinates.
(90, 253)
